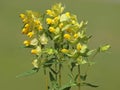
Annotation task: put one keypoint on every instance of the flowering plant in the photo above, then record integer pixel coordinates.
(56, 40)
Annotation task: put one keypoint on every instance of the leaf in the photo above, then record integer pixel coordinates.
(89, 84)
(68, 86)
(53, 71)
(90, 52)
(76, 77)
(50, 62)
(28, 73)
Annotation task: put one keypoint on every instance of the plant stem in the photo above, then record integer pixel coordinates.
(60, 66)
(79, 78)
(46, 79)
(56, 71)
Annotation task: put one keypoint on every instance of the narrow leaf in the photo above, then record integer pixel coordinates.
(68, 86)
(28, 73)
(53, 71)
(89, 84)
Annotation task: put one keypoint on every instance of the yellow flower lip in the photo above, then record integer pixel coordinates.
(30, 34)
(75, 36)
(67, 36)
(40, 27)
(36, 50)
(67, 14)
(27, 25)
(49, 21)
(52, 29)
(64, 50)
(37, 22)
(25, 30)
(49, 12)
(26, 43)
(22, 16)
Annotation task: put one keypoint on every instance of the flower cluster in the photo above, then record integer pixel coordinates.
(56, 37)
(55, 34)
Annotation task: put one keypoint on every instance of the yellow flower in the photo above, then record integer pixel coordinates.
(67, 14)
(52, 29)
(26, 43)
(67, 36)
(22, 16)
(25, 30)
(30, 34)
(49, 12)
(37, 22)
(25, 20)
(56, 19)
(36, 50)
(40, 27)
(64, 50)
(79, 46)
(49, 21)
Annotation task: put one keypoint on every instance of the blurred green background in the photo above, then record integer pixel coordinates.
(104, 25)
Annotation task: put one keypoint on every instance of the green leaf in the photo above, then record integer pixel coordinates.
(68, 86)
(28, 73)
(50, 62)
(53, 71)
(89, 84)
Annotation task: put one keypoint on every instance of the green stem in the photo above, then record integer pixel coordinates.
(79, 86)
(60, 66)
(56, 71)
(46, 79)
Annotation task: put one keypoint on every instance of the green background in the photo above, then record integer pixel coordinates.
(104, 24)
